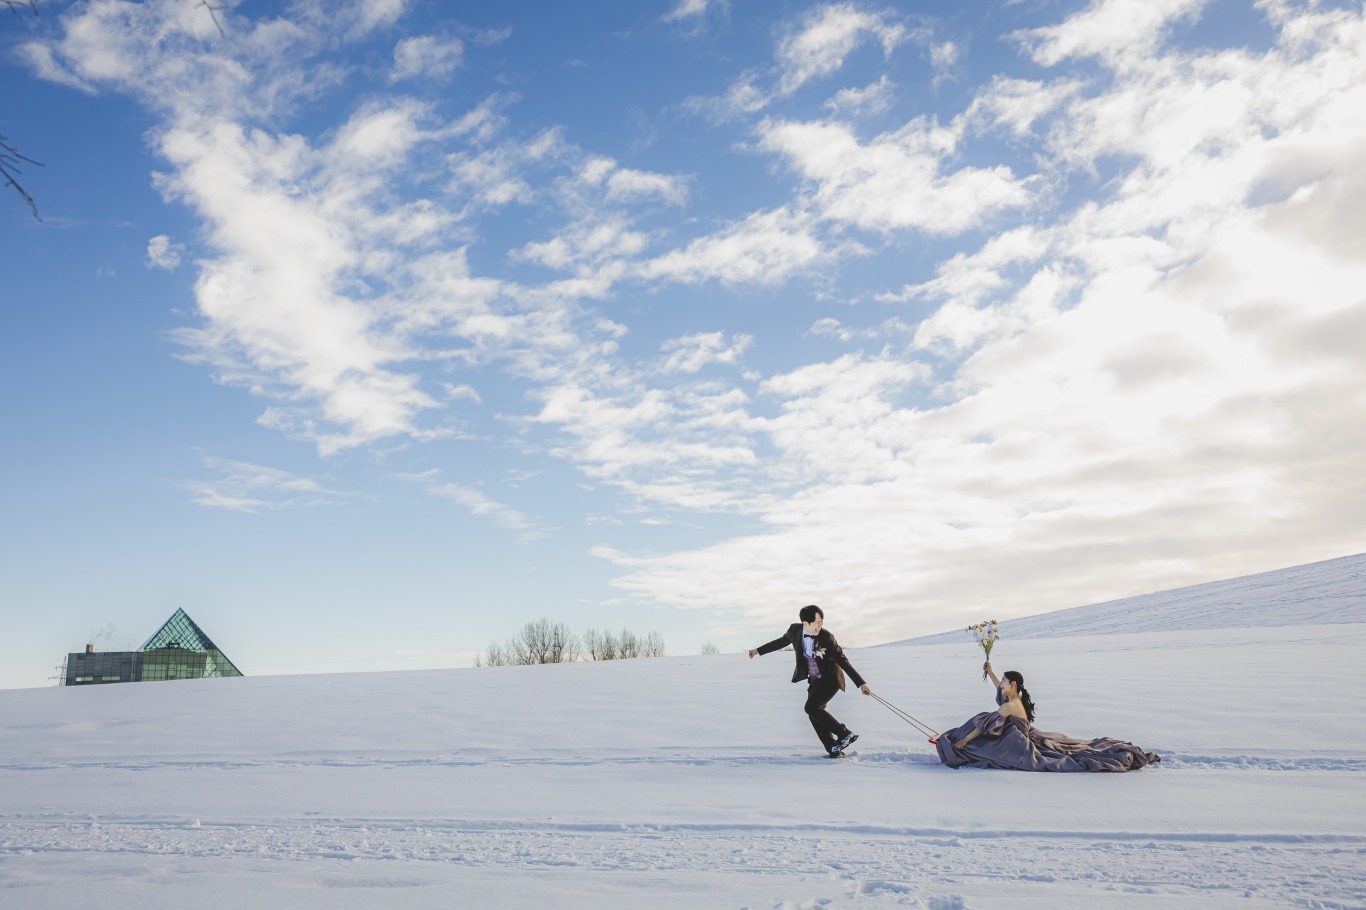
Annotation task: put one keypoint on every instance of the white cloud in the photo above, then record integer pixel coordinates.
(482, 506)
(378, 136)
(690, 9)
(274, 298)
(427, 57)
(321, 282)
(945, 56)
(830, 327)
(764, 248)
(462, 391)
(162, 253)
(818, 48)
(828, 35)
(1017, 104)
(895, 181)
(601, 238)
(589, 242)
(966, 281)
(873, 99)
(43, 60)
(369, 15)
(835, 416)
(627, 185)
(477, 503)
(745, 97)
(1109, 28)
(596, 169)
(676, 447)
(154, 51)
(1161, 386)
(241, 486)
(622, 185)
(693, 352)
(495, 177)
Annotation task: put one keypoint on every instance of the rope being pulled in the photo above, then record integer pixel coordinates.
(923, 728)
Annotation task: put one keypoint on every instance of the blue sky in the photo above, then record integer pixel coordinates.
(366, 331)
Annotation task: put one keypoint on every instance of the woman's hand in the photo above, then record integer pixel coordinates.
(986, 666)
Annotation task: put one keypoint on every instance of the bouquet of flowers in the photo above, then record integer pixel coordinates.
(986, 634)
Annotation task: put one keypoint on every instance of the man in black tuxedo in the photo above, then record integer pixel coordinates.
(821, 662)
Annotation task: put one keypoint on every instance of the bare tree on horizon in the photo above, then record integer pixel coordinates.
(544, 642)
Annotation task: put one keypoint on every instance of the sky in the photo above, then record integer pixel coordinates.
(367, 331)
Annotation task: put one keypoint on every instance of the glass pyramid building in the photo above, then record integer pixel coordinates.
(178, 650)
(181, 650)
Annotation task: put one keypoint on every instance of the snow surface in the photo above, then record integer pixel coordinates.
(696, 781)
(1321, 592)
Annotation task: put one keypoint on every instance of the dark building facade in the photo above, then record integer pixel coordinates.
(94, 667)
(178, 650)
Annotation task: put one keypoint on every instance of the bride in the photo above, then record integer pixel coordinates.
(1007, 738)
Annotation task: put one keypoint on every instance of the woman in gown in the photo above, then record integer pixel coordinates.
(1006, 738)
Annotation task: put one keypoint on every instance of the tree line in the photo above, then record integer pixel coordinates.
(546, 642)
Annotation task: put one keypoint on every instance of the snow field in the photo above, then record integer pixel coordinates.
(696, 782)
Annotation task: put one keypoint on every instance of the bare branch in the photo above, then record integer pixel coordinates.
(10, 157)
(213, 14)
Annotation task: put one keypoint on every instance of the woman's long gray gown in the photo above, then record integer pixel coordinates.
(1012, 743)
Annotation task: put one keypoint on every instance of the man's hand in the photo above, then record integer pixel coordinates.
(752, 652)
(865, 690)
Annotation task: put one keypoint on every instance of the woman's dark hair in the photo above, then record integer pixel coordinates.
(809, 613)
(1017, 678)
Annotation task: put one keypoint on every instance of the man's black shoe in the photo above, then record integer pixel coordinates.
(834, 755)
(845, 742)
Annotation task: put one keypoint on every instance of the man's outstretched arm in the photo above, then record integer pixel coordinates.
(773, 645)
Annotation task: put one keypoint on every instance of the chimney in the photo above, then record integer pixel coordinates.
(90, 649)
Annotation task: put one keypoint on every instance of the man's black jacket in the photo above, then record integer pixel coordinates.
(832, 660)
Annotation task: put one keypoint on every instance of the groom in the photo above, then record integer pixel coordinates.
(821, 662)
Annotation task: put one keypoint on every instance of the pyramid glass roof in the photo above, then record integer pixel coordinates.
(181, 632)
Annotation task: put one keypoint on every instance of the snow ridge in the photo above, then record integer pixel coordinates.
(1333, 591)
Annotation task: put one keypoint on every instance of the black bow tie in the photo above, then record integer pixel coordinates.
(807, 635)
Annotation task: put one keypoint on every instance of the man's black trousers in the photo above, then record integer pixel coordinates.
(819, 691)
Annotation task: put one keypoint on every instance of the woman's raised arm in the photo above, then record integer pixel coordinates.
(986, 668)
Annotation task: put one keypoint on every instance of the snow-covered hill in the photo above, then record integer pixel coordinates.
(695, 782)
(1333, 591)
